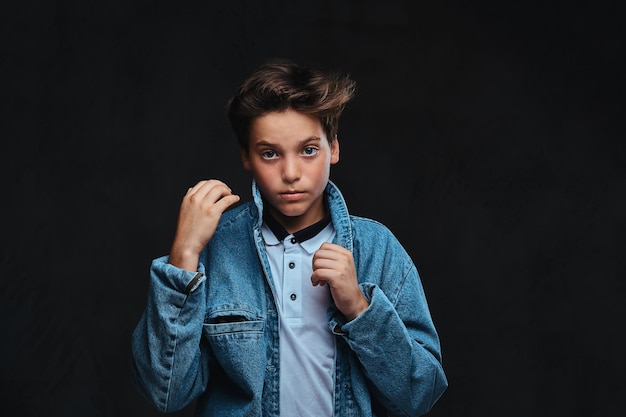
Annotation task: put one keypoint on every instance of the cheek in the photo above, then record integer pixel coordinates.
(323, 170)
(265, 178)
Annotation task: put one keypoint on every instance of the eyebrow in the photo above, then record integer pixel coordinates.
(277, 145)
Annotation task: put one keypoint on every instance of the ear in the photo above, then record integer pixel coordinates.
(334, 151)
(245, 159)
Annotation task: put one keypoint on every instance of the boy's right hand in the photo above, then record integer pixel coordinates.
(199, 215)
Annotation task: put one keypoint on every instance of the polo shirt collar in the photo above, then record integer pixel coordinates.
(279, 233)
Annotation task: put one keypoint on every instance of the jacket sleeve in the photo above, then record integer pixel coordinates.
(169, 367)
(395, 339)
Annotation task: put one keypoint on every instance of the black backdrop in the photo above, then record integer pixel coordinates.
(486, 135)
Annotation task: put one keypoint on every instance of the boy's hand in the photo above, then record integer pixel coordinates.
(199, 215)
(334, 265)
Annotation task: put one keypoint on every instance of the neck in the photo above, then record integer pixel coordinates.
(294, 223)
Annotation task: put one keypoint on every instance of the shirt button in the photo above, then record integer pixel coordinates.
(293, 297)
(293, 240)
(292, 265)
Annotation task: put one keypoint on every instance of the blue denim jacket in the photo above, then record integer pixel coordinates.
(215, 336)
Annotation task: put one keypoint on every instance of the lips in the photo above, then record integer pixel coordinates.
(292, 195)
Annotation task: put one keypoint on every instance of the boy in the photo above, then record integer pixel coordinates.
(286, 305)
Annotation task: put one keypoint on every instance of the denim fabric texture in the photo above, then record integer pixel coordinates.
(219, 342)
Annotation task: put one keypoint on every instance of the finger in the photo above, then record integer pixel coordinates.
(216, 191)
(328, 275)
(326, 255)
(332, 255)
(317, 279)
(197, 186)
(333, 246)
(325, 263)
(207, 184)
(190, 191)
(211, 190)
(226, 202)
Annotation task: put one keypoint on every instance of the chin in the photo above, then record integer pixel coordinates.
(291, 210)
(292, 213)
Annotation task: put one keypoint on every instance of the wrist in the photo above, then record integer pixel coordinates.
(361, 306)
(184, 258)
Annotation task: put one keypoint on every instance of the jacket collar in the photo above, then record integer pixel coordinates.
(338, 213)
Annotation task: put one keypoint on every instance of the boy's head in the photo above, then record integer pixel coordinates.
(285, 118)
(281, 85)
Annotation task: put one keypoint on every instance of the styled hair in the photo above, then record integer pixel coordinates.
(280, 85)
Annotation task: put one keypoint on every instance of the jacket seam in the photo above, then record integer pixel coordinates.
(171, 362)
(402, 281)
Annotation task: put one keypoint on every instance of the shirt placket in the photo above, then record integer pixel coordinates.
(292, 281)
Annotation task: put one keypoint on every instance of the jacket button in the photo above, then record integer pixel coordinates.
(292, 265)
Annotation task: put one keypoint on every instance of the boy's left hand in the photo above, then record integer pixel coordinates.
(334, 265)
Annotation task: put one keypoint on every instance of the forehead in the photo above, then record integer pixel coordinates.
(285, 125)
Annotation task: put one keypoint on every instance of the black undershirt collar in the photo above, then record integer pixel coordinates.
(301, 235)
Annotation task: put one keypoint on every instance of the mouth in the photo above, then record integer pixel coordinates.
(292, 195)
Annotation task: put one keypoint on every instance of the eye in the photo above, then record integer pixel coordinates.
(309, 150)
(268, 154)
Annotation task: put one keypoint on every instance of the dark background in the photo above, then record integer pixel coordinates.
(486, 135)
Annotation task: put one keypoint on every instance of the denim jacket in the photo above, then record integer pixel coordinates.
(213, 335)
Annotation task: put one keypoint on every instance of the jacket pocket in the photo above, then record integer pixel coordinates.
(238, 345)
(239, 328)
(232, 321)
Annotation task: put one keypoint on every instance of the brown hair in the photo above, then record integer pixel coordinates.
(280, 85)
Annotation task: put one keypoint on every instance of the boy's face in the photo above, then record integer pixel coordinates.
(290, 158)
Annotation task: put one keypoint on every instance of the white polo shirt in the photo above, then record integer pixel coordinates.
(307, 346)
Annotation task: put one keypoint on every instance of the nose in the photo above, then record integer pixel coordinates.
(291, 170)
